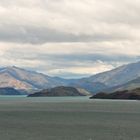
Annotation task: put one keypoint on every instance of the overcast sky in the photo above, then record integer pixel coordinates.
(69, 38)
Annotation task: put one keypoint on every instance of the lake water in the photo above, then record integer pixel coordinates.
(68, 118)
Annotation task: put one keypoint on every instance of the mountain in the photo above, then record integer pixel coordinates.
(9, 91)
(119, 78)
(58, 91)
(125, 94)
(23, 79)
(115, 77)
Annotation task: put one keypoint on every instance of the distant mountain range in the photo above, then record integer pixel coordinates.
(121, 78)
(23, 79)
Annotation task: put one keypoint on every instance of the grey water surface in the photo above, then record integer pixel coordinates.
(68, 118)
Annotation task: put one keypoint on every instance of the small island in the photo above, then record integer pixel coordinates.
(124, 95)
(59, 91)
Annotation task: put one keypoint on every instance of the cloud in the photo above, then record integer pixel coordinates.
(68, 21)
(68, 59)
(69, 38)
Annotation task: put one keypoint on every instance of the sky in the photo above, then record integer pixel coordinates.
(69, 38)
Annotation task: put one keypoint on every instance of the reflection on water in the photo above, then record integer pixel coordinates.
(44, 99)
(24, 98)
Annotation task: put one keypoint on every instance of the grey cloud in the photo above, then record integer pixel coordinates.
(44, 21)
(21, 34)
(87, 56)
(71, 60)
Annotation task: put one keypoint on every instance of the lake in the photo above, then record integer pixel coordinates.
(68, 118)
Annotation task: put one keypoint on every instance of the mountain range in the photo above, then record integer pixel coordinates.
(123, 77)
(24, 79)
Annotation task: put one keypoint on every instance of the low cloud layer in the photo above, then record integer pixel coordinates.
(69, 38)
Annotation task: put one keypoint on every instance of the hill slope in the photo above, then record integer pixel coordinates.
(115, 77)
(127, 86)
